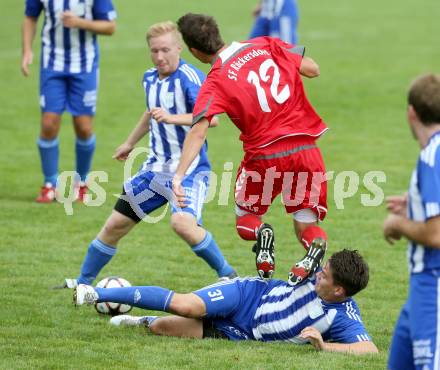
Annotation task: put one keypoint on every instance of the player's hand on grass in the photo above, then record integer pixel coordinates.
(179, 192)
(69, 19)
(391, 232)
(122, 152)
(26, 60)
(160, 115)
(314, 337)
(397, 204)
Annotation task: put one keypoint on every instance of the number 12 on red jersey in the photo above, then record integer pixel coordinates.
(255, 79)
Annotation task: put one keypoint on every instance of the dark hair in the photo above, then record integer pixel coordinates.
(200, 32)
(424, 96)
(349, 270)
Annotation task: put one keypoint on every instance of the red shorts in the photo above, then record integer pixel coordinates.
(293, 167)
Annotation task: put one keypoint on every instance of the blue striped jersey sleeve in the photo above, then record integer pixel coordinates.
(147, 79)
(428, 180)
(33, 8)
(347, 326)
(103, 10)
(192, 79)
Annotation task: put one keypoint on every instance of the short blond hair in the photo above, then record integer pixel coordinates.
(162, 28)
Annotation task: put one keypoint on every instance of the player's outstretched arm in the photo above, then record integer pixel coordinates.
(191, 148)
(162, 116)
(358, 348)
(100, 27)
(28, 34)
(309, 68)
(140, 130)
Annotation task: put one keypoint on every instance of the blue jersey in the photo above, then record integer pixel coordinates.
(424, 203)
(277, 18)
(275, 311)
(69, 49)
(284, 311)
(176, 94)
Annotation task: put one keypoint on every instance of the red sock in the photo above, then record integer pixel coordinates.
(247, 226)
(311, 233)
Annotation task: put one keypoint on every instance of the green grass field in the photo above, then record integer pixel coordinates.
(368, 53)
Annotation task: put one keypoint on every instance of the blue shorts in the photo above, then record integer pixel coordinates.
(282, 25)
(231, 305)
(74, 92)
(148, 191)
(415, 341)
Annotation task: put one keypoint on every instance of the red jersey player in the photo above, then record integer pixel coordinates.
(257, 83)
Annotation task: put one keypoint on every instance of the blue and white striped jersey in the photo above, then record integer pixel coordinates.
(176, 94)
(271, 9)
(64, 49)
(283, 18)
(424, 203)
(285, 310)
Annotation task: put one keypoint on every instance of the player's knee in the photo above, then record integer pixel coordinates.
(188, 310)
(113, 230)
(83, 127)
(185, 305)
(49, 127)
(182, 225)
(84, 133)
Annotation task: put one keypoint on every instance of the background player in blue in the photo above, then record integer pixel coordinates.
(276, 18)
(416, 216)
(319, 310)
(171, 89)
(68, 77)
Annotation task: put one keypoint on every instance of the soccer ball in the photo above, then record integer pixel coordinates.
(110, 308)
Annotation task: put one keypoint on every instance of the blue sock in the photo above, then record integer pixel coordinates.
(49, 153)
(98, 255)
(147, 297)
(149, 320)
(84, 155)
(210, 252)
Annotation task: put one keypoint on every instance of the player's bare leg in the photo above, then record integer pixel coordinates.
(115, 228)
(185, 225)
(83, 126)
(177, 326)
(187, 305)
(188, 308)
(85, 147)
(49, 153)
(50, 125)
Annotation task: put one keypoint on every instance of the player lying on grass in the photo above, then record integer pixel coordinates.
(320, 310)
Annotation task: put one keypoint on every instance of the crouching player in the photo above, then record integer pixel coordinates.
(320, 310)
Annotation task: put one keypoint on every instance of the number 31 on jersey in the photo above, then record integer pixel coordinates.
(216, 295)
